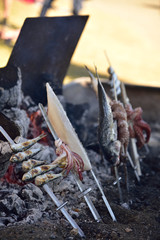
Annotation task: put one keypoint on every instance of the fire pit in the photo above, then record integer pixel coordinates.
(26, 211)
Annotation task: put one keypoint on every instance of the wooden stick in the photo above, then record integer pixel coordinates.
(134, 151)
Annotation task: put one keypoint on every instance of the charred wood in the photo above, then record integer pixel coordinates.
(10, 88)
(20, 119)
(5, 154)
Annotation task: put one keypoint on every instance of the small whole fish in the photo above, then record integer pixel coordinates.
(20, 147)
(45, 178)
(37, 171)
(31, 163)
(22, 156)
(107, 132)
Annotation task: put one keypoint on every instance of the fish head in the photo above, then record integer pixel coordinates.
(27, 177)
(114, 152)
(14, 158)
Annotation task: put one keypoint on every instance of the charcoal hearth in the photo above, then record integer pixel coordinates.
(26, 211)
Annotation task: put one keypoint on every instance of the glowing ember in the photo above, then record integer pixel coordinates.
(36, 129)
(11, 176)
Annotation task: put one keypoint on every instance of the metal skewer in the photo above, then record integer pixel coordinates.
(118, 184)
(94, 83)
(133, 166)
(135, 154)
(136, 157)
(5, 134)
(115, 167)
(104, 197)
(79, 183)
(59, 205)
(47, 121)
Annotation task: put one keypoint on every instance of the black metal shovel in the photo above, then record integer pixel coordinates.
(43, 52)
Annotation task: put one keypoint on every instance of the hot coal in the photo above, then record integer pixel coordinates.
(19, 116)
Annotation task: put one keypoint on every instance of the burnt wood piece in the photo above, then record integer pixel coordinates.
(9, 126)
(5, 154)
(5, 151)
(10, 87)
(43, 52)
(8, 77)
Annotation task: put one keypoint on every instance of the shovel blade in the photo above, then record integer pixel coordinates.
(43, 52)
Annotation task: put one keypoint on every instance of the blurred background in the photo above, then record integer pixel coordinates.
(128, 30)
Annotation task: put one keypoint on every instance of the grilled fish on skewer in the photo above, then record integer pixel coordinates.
(110, 145)
(19, 147)
(47, 177)
(22, 156)
(30, 175)
(31, 163)
(107, 131)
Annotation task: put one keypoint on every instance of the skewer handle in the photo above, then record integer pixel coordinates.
(133, 166)
(136, 156)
